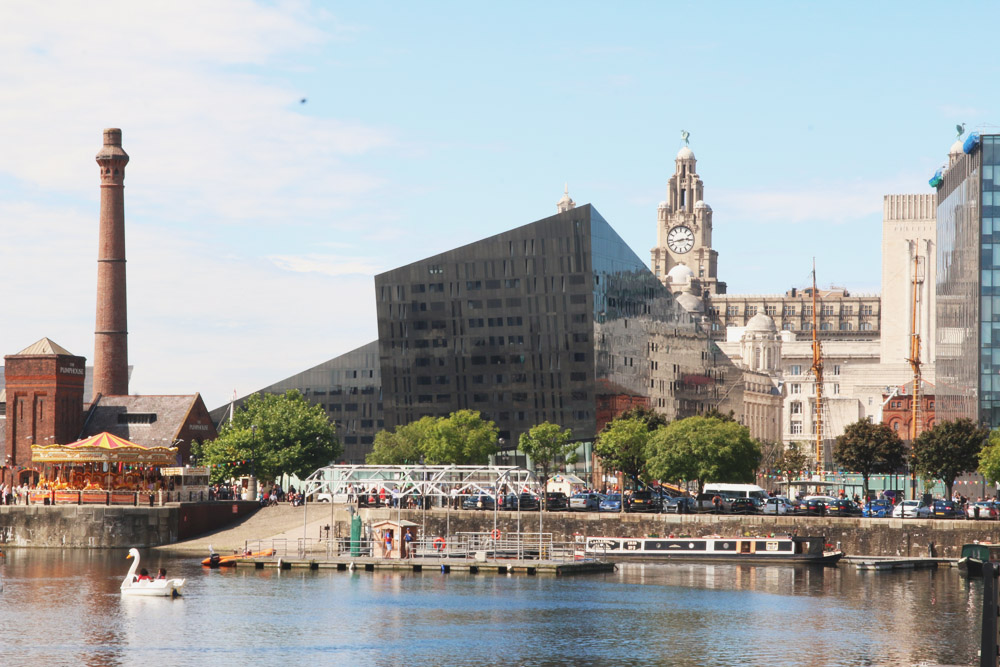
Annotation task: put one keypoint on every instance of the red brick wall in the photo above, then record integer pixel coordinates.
(897, 414)
(44, 402)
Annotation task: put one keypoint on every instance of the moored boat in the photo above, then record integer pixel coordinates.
(975, 554)
(218, 560)
(786, 549)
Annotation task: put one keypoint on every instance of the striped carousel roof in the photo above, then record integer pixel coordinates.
(105, 441)
(103, 447)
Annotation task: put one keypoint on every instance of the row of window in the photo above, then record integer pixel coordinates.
(750, 311)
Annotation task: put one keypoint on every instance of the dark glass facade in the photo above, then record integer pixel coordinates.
(349, 388)
(553, 321)
(968, 287)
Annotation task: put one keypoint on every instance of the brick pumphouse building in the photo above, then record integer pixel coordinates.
(42, 401)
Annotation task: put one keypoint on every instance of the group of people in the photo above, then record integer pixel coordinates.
(144, 575)
(386, 540)
(11, 494)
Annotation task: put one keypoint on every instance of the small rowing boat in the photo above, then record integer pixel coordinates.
(218, 560)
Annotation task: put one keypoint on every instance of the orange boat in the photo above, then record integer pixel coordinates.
(218, 560)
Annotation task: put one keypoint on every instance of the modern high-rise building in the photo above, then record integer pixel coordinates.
(546, 322)
(968, 282)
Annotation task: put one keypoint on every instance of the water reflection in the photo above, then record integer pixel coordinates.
(63, 608)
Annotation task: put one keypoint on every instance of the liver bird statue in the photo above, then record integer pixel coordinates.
(960, 129)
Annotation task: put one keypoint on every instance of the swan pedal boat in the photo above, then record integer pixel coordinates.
(152, 588)
(218, 560)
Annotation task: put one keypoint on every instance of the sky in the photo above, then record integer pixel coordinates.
(256, 221)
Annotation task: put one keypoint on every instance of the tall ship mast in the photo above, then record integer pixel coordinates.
(916, 414)
(817, 369)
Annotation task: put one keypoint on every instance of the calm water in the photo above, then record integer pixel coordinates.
(64, 608)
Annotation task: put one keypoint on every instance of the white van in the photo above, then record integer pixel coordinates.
(737, 490)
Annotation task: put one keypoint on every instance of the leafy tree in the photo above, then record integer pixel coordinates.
(949, 449)
(714, 412)
(868, 448)
(989, 458)
(622, 445)
(649, 416)
(792, 459)
(545, 443)
(707, 449)
(272, 435)
(463, 438)
(404, 445)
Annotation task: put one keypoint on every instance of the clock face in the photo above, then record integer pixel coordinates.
(680, 239)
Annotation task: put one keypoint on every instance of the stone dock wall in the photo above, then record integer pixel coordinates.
(101, 527)
(867, 537)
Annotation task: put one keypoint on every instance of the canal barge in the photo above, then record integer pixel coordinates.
(787, 549)
(974, 555)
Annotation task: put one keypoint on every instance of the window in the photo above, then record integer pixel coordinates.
(866, 310)
(795, 388)
(836, 369)
(136, 417)
(836, 389)
(807, 311)
(845, 326)
(865, 326)
(795, 369)
(786, 326)
(789, 310)
(825, 326)
(435, 269)
(795, 408)
(847, 310)
(732, 310)
(751, 311)
(827, 310)
(770, 310)
(796, 428)
(473, 284)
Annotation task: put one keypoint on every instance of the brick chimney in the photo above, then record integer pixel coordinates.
(111, 334)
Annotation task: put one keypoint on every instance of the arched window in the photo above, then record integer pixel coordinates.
(845, 326)
(825, 326)
(865, 326)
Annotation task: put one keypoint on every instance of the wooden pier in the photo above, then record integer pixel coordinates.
(442, 565)
(897, 563)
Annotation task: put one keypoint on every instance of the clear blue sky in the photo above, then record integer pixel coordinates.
(255, 222)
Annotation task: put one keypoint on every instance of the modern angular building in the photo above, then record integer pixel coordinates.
(553, 321)
(348, 388)
(968, 282)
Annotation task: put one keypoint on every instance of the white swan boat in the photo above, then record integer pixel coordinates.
(153, 587)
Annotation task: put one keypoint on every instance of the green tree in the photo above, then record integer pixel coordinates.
(622, 446)
(989, 458)
(463, 438)
(868, 448)
(545, 443)
(272, 435)
(949, 449)
(793, 459)
(707, 449)
(404, 445)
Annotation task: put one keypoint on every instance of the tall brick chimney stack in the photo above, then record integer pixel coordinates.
(111, 334)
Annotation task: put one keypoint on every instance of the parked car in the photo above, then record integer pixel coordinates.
(880, 508)
(739, 506)
(843, 507)
(526, 502)
(478, 502)
(612, 503)
(644, 501)
(814, 505)
(984, 509)
(778, 505)
(908, 509)
(585, 502)
(556, 501)
(946, 509)
(706, 502)
(680, 505)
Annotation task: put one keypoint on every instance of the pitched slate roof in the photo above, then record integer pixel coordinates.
(169, 414)
(44, 346)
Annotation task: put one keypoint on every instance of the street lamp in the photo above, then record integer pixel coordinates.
(253, 462)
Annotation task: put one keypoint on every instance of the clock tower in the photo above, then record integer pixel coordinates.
(684, 228)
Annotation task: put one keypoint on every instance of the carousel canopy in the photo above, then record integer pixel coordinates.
(104, 447)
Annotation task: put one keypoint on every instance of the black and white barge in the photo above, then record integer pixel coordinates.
(787, 549)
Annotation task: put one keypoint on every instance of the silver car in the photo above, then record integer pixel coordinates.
(908, 509)
(778, 505)
(585, 502)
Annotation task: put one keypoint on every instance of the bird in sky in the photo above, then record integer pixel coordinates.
(302, 101)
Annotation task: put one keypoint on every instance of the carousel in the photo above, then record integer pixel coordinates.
(103, 463)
